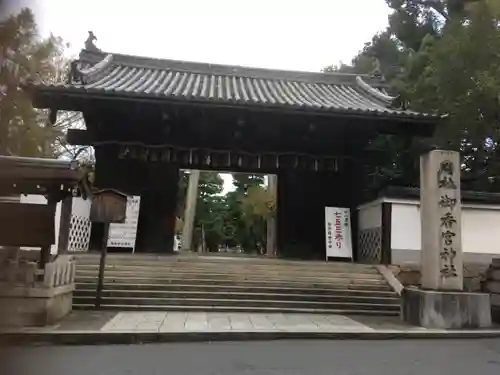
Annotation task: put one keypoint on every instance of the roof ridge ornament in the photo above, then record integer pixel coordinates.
(89, 43)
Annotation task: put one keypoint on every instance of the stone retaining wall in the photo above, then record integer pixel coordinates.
(474, 275)
(492, 286)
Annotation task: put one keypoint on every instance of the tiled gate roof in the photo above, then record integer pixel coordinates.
(123, 75)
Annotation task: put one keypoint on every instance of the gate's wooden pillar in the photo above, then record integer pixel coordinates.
(301, 201)
(157, 184)
(354, 180)
(156, 229)
(302, 197)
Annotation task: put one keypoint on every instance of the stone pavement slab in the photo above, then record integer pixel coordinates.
(175, 321)
(126, 327)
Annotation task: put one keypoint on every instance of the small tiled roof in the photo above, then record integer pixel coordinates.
(122, 75)
(30, 175)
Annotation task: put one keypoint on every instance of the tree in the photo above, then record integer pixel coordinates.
(462, 78)
(24, 57)
(243, 181)
(251, 205)
(258, 206)
(432, 60)
(210, 208)
(71, 120)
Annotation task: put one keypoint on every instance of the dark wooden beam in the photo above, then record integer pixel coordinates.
(386, 233)
(74, 100)
(78, 137)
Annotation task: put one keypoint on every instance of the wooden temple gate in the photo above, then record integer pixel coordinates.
(148, 118)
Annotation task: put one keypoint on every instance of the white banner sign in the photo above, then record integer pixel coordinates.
(338, 232)
(123, 235)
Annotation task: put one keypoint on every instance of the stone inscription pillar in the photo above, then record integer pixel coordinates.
(441, 302)
(441, 221)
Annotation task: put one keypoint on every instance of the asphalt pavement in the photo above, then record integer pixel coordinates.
(398, 357)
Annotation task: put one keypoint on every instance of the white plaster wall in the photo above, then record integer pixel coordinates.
(370, 215)
(480, 227)
(405, 226)
(80, 207)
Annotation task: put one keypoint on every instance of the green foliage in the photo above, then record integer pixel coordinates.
(236, 218)
(210, 209)
(25, 57)
(258, 203)
(443, 57)
(460, 76)
(243, 181)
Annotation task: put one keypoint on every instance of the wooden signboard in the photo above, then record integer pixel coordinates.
(30, 225)
(108, 206)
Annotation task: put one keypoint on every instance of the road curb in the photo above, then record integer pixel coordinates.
(108, 338)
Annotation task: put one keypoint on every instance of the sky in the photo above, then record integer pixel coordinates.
(276, 34)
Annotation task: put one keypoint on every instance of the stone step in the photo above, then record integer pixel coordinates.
(222, 269)
(182, 262)
(494, 274)
(204, 288)
(229, 309)
(194, 283)
(166, 301)
(493, 287)
(218, 295)
(230, 275)
(222, 274)
(337, 283)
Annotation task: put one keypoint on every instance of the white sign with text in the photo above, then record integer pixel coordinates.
(123, 235)
(338, 232)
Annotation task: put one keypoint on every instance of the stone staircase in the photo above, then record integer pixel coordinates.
(214, 283)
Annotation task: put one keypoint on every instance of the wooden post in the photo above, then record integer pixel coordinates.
(102, 265)
(44, 257)
(64, 225)
(45, 250)
(190, 210)
(272, 186)
(203, 247)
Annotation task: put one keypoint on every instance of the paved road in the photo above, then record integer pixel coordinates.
(443, 357)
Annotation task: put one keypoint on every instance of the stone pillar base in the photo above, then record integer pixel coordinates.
(23, 306)
(445, 310)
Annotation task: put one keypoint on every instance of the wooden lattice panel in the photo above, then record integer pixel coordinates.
(370, 245)
(79, 233)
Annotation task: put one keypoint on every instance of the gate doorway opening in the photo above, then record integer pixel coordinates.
(228, 213)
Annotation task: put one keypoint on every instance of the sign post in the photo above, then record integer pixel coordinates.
(338, 234)
(108, 206)
(102, 265)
